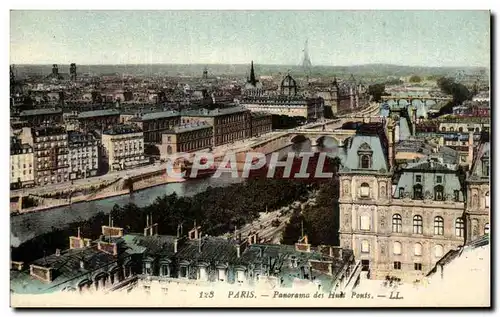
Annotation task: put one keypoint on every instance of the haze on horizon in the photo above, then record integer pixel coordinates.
(336, 38)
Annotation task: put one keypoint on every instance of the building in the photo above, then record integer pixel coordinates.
(398, 230)
(123, 147)
(22, 171)
(189, 137)
(477, 212)
(51, 153)
(229, 124)
(98, 119)
(262, 123)
(83, 154)
(286, 102)
(464, 124)
(151, 262)
(155, 124)
(37, 117)
(72, 72)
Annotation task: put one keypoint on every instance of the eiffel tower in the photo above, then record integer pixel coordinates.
(306, 62)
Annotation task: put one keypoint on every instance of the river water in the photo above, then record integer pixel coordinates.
(27, 226)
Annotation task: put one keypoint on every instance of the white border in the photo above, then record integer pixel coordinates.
(200, 4)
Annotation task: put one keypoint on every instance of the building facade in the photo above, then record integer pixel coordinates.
(22, 162)
(98, 119)
(37, 117)
(477, 211)
(83, 154)
(401, 230)
(187, 138)
(155, 124)
(262, 123)
(123, 147)
(50, 145)
(229, 124)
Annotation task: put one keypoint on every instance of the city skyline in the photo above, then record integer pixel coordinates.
(336, 38)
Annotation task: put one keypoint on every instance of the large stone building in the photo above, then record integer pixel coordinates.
(37, 117)
(477, 212)
(83, 154)
(98, 119)
(123, 147)
(229, 124)
(262, 123)
(188, 137)
(398, 230)
(51, 153)
(155, 124)
(22, 171)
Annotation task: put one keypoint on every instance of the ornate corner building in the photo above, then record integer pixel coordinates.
(399, 223)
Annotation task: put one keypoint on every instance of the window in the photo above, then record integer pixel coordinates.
(184, 272)
(438, 193)
(487, 228)
(222, 275)
(486, 167)
(240, 276)
(401, 192)
(452, 129)
(417, 224)
(365, 265)
(439, 226)
(365, 246)
(417, 192)
(365, 161)
(202, 274)
(397, 265)
(418, 266)
(456, 195)
(443, 129)
(487, 200)
(459, 227)
(397, 248)
(417, 249)
(439, 179)
(364, 222)
(438, 251)
(460, 129)
(365, 190)
(164, 270)
(397, 223)
(418, 178)
(147, 268)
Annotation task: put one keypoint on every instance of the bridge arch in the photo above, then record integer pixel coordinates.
(328, 141)
(298, 138)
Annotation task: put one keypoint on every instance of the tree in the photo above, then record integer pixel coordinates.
(415, 79)
(459, 92)
(377, 91)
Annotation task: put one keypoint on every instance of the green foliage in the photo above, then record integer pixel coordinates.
(459, 92)
(29, 202)
(377, 91)
(415, 79)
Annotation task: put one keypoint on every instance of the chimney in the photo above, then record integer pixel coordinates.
(58, 252)
(82, 264)
(176, 244)
(331, 252)
(470, 155)
(238, 251)
(330, 268)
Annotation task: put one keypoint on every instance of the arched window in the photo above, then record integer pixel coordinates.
(417, 192)
(397, 223)
(365, 161)
(487, 228)
(460, 129)
(439, 192)
(364, 222)
(459, 227)
(396, 248)
(169, 150)
(487, 200)
(417, 224)
(365, 190)
(452, 129)
(443, 129)
(438, 251)
(417, 249)
(438, 225)
(477, 130)
(365, 246)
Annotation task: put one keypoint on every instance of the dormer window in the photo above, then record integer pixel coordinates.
(417, 192)
(401, 192)
(487, 200)
(439, 193)
(365, 156)
(456, 195)
(418, 178)
(439, 179)
(183, 273)
(147, 268)
(486, 166)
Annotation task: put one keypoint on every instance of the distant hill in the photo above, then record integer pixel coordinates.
(238, 70)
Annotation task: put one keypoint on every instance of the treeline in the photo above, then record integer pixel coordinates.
(459, 92)
(321, 222)
(217, 210)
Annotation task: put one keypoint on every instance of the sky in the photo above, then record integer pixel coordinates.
(336, 38)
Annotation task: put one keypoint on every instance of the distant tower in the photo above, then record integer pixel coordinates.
(12, 76)
(306, 62)
(205, 73)
(55, 70)
(72, 71)
(252, 79)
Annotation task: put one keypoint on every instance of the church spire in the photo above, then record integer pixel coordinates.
(253, 81)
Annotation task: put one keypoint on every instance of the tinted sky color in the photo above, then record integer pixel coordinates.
(415, 38)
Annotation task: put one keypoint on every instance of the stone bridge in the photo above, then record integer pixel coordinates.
(410, 99)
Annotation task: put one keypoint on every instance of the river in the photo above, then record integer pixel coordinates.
(27, 226)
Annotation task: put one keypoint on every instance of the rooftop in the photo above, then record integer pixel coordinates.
(189, 127)
(43, 111)
(213, 113)
(122, 129)
(98, 113)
